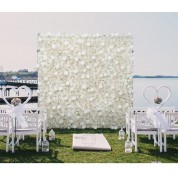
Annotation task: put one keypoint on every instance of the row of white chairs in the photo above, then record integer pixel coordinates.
(137, 123)
(36, 119)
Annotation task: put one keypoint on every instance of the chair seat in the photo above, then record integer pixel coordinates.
(173, 129)
(26, 130)
(147, 129)
(3, 130)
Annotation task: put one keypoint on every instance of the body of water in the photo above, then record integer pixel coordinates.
(138, 85)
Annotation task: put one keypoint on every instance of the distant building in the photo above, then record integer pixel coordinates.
(23, 70)
(15, 77)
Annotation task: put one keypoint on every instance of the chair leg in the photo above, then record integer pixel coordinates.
(40, 138)
(129, 130)
(154, 137)
(174, 136)
(136, 145)
(37, 145)
(165, 143)
(18, 140)
(126, 128)
(160, 142)
(23, 137)
(132, 138)
(7, 143)
(12, 142)
(149, 137)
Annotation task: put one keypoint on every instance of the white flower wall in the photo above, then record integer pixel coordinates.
(85, 81)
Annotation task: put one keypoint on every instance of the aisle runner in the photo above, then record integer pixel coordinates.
(90, 142)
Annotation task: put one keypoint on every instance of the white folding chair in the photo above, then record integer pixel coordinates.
(173, 127)
(134, 110)
(34, 128)
(6, 128)
(43, 113)
(130, 114)
(141, 125)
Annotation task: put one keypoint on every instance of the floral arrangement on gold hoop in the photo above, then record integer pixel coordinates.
(16, 101)
(157, 100)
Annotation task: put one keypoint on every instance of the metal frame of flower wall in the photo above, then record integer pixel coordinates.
(85, 81)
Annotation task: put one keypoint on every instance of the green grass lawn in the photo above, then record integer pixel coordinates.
(61, 151)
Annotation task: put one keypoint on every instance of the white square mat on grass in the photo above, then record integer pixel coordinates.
(90, 142)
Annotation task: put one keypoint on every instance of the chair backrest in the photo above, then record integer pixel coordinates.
(41, 111)
(133, 110)
(172, 118)
(3, 110)
(5, 122)
(140, 121)
(167, 109)
(33, 120)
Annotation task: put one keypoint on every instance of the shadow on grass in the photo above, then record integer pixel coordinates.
(94, 151)
(169, 156)
(61, 151)
(75, 131)
(26, 153)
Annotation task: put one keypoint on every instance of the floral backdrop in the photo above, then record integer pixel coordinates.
(85, 81)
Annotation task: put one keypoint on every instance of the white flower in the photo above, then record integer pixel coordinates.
(60, 88)
(67, 83)
(87, 76)
(84, 86)
(61, 121)
(84, 70)
(66, 73)
(82, 62)
(76, 59)
(122, 67)
(55, 88)
(92, 89)
(79, 53)
(88, 44)
(58, 107)
(120, 93)
(83, 126)
(45, 78)
(55, 73)
(73, 98)
(57, 66)
(100, 86)
(53, 107)
(54, 46)
(93, 57)
(75, 71)
(82, 76)
(88, 66)
(83, 53)
(79, 41)
(95, 64)
(71, 89)
(90, 98)
(65, 43)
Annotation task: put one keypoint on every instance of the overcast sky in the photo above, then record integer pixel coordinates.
(155, 36)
